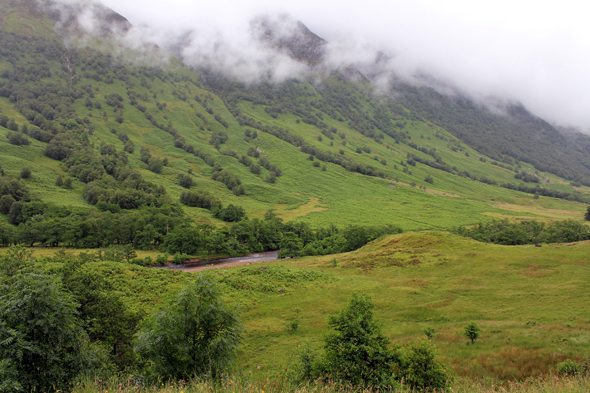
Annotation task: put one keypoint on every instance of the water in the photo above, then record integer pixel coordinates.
(242, 260)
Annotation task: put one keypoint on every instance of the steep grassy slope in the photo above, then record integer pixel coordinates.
(346, 154)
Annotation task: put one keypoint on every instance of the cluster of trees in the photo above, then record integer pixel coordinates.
(45, 224)
(246, 236)
(108, 176)
(527, 232)
(231, 181)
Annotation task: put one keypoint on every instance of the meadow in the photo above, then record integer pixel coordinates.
(531, 302)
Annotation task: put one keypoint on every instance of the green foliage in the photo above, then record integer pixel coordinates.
(17, 138)
(231, 213)
(185, 181)
(43, 344)
(291, 245)
(429, 332)
(105, 317)
(25, 172)
(200, 198)
(472, 331)
(357, 352)
(194, 335)
(527, 232)
(568, 368)
(422, 371)
(15, 259)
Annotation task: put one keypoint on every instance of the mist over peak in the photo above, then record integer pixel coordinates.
(535, 54)
(85, 18)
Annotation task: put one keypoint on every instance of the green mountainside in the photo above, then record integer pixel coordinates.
(162, 145)
(112, 157)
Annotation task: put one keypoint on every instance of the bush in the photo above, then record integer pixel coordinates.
(17, 138)
(568, 368)
(231, 213)
(161, 260)
(422, 372)
(180, 257)
(25, 173)
(185, 180)
(429, 332)
(357, 352)
(194, 335)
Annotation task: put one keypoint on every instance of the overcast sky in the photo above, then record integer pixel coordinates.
(532, 51)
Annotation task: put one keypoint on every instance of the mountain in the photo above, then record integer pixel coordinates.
(128, 136)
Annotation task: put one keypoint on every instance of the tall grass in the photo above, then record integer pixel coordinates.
(281, 383)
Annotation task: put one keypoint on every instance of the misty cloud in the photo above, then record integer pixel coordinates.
(524, 51)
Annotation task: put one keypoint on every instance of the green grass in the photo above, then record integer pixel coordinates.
(531, 302)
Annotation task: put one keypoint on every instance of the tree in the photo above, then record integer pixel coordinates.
(587, 215)
(194, 335)
(155, 165)
(42, 341)
(357, 352)
(290, 245)
(472, 331)
(106, 318)
(5, 202)
(25, 173)
(271, 178)
(185, 180)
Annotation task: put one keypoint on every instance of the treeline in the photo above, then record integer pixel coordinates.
(253, 235)
(33, 222)
(43, 224)
(542, 191)
(526, 232)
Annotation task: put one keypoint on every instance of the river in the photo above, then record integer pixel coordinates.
(197, 265)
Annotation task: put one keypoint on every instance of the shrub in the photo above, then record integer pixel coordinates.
(422, 371)
(568, 368)
(17, 138)
(429, 332)
(25, 173)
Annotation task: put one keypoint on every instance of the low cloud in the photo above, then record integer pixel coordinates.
(526, 51)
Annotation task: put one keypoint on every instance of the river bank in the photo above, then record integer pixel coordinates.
(195, 265)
